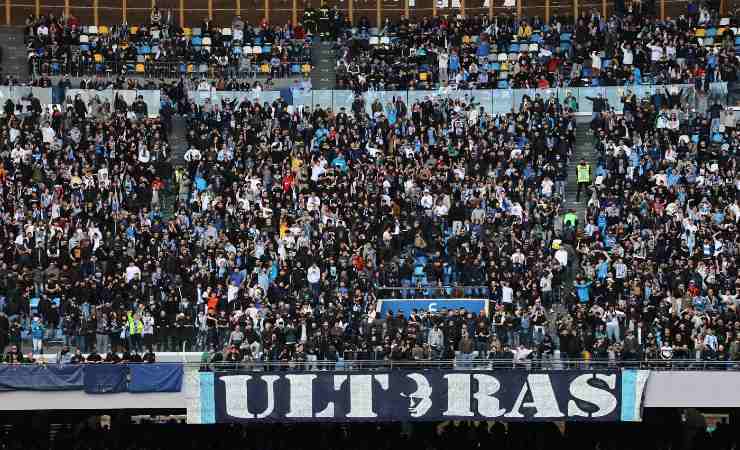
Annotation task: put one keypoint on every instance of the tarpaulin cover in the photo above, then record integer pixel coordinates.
(105, 378)
(155, 378)
(40, 378)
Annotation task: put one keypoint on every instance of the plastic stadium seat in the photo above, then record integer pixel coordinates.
(247, 49)
(103, 29)
(236, 51)
(495, 66)
(708, 41)
(257, 50)
(724, 21)
(197, 41)
(502, 84)
(711, 32)
(306, 68)
(56, 68)
(226, 31)
(84, 39)
(183, 68)
(84, 48)
(503, 57)
(534, 47)
(98, 58)
(505, 67)
(737, 40)
(187, 32)
(295, 69)
(133, 30)
(92, 29)
(565, 37)
(196, 32)
(265, 68)
(700, 32)
(267, 49)
(513, 48)
(191, 68)
(140, 68)
(207, 41)
(423, 76)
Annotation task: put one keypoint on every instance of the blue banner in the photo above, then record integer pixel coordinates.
(404, 395)
(432, 305)
(155, 378)
(40, 378)
(105, 378)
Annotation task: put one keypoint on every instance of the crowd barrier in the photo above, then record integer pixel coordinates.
(59, 96)
(150, 97)
(495, 101)
(91, 378)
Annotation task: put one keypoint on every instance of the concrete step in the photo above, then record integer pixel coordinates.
(14, 53)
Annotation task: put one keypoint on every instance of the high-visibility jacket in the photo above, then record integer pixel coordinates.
(584, 173)
(135, 326)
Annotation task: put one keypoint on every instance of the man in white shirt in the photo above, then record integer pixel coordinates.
(193, 154)
(507, 293)
(562, 257)
(314, 278)
(48, 133)
(442, 60)
(132, 271)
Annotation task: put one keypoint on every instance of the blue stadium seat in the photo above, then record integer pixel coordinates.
(502, 84)
(565, 37)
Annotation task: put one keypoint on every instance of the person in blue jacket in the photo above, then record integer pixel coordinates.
(583, 289)
(38, 331)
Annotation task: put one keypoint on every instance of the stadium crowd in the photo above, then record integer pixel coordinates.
(481, 53)
(288, 225)
(159, 48)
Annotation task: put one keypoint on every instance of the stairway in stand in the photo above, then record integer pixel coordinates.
(324, 61)
(584, 150)
(179, 146)
(14, 53)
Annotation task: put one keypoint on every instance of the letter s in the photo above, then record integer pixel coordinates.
(604, 400)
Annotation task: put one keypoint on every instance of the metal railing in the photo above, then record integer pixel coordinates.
(455, 364)
(494, 101)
